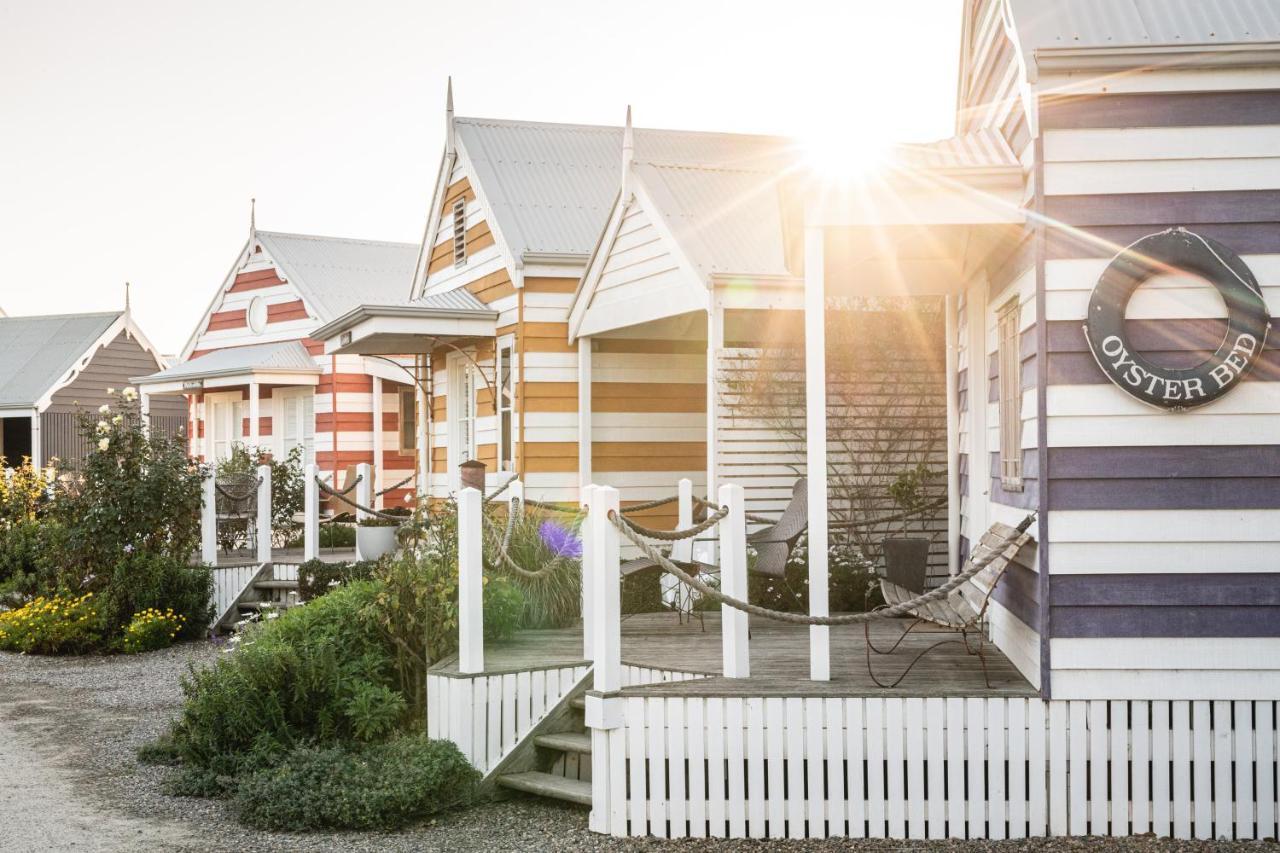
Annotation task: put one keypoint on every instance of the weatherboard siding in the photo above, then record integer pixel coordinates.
(1164, 526)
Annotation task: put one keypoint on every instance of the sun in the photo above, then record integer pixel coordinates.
(844, 152)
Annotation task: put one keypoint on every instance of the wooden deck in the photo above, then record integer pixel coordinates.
(779, 660)
(246, 557)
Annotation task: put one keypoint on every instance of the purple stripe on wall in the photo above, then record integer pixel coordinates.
(1179, 109)
(1172, 589)
(1245, 238)
(1164, 493)
(1193, 621)
(1194, 461)
(1017, 592)
(1202, 208)
(1175, 343)
(1079, 368)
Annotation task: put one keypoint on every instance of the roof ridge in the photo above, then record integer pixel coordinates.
(482, 120)
(328, 237)
(75, 315)
(709, 167)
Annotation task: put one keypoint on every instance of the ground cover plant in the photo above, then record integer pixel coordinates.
(115, 532)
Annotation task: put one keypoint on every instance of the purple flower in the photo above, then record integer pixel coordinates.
(562, 541)
(128, 549)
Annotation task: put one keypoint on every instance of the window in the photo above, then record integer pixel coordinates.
(1009, 365)
(296, 410)
(408, 421)
(506, 405)
(459, 232)
(461, 406)
(256, 315)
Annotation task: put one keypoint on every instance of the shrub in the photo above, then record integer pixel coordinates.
(303, 677)
(151, 630)
(142, 582)
(24, 494)
(382, 786)
(316, 577)
(554, 598)
(51, 626)
(399, 515)
(29, 563)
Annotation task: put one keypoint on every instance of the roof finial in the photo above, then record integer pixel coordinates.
(253, 217)
(126, 297)
(448, 117)
(628, 149)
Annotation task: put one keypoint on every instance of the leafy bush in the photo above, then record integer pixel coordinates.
(316, 577)
(399, 516)
(24, 494)
(381, 786)
(142, 582)
(332, 535)
(852, 583)
(151, 630)
(52, 626)
(304, 677)
(29, 561)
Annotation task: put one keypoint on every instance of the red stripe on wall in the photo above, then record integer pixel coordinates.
(256, 280)
(282, 311)
(226, 320)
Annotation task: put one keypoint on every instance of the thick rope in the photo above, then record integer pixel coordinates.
(334, 493)
(501, 543)
(650, 504)
(393, 488)
(231, 496)
(839, 525)
(565, 509)
(976, 565)
(489, 497)
(676, 535)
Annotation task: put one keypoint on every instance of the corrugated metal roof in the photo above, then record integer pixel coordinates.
(551, 186)
(982, 149)
(280, 356)
(336, 274)
(37, 352)
(1047, 24)
(727, 221)
(459, 299)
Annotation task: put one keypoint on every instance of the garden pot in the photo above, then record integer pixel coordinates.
(373, 542)
(906, 562)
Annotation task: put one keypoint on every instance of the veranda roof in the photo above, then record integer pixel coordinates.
(36, 352)
(235, 363)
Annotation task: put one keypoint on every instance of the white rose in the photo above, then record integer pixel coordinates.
(118, 419)
(130, 394)
(103, 409)
(103, 426)
(104, 443)
(111, 391)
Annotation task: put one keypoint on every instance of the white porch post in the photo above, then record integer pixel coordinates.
(144, 406)
(470, 583)
(979, 452)
(423, 423)
(209, 521)
(588, 579)
(311, 513)
(606, 588)
(255, 411)
(205, 410)
(953, 440)
(37, 450)
(264, 514)
(377, 439)
(364, 492)
(733, 578)
(584, 412)
(815, 375)
(715, 343)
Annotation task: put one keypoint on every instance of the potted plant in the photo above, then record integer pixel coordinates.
(377, 536)
(906, 557)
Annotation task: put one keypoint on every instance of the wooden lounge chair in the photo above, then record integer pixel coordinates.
(964, 609)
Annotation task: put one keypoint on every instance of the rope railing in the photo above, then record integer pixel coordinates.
(502, 544)
(392, 488)
(676, 535)
(702, 503)
(231, 496)
(976, 565)
(334, 493)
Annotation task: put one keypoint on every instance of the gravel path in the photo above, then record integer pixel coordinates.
(69, 728)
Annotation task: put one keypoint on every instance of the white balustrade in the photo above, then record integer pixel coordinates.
(470, 583)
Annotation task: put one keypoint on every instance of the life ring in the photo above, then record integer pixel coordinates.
(1177, 250)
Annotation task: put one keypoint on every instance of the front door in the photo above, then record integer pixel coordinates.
(295, 413)
(225, 422)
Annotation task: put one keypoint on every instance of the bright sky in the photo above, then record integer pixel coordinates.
(133, 133)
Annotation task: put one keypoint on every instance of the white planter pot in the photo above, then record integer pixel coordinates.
(373, 542)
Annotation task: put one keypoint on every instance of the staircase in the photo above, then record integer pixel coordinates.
(274, 587)
(539, 765)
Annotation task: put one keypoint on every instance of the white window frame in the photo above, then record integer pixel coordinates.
(213, 405)
(1009, 368)
(459, 219)
(506, 404)
(460, 405)
(407, 421)
(282, 399)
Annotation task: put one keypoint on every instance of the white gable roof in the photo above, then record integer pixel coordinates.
(550, 186)
(336, 274)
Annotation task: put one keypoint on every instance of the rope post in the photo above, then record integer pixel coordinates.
(606, 589)
(264, 513)
(588, 579)
(515, 493)
(311, 514)
(470, 583)
(733, 580)
(682, 551)
(364, 494)
(209, 521)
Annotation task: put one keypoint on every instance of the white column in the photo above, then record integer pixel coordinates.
(423, 424)
(37, 450)
(209, 521)
(206, 409)
(606, 589)
(584, 412)
(311, 513)
(979, 452)
(255, 412)
(682, 551)
(144, 406)
(377, 440)
(264, 514)
(815, 376)
(364, 489)
(953, 439)
(715, 343)
(588, 578)
(470, 583)
(733, 580)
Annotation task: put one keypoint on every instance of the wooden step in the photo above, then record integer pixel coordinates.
(275, 584)
(547, 785)
(262, 605)
(578, 703)
(579, 742)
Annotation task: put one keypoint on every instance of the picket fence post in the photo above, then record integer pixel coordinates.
(209, 521)
(311, 514)
(470, 583)
(606, 589)
(733, 579)
(264, 514)
(588, 580)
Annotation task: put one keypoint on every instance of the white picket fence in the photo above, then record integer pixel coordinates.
(229, 584)
(935, 768)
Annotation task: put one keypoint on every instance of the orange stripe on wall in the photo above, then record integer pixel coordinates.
(226, 320)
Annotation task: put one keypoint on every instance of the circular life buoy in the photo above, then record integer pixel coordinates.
(1177, 250)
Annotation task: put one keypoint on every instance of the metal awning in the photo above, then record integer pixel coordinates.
(280, 363)
(399, 329)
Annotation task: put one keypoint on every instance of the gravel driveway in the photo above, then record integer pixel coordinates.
(69, 728)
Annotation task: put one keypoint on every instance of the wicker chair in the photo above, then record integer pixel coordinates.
(236, 504)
